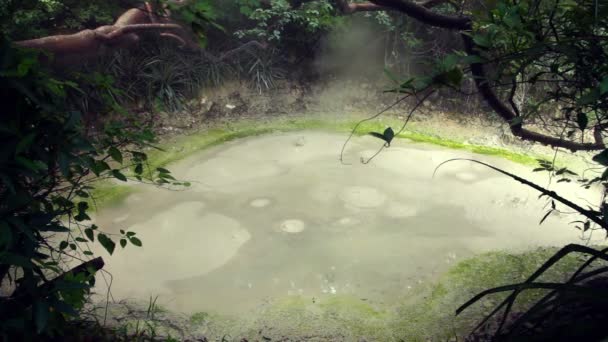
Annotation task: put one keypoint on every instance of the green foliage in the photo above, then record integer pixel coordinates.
(272, 22)
(48, 168)
(198, 15)
(22, 19)
(387, 135)
(264, 70)
(555, 46)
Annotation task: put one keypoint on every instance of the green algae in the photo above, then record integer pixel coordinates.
(431, 315)
(174, 149)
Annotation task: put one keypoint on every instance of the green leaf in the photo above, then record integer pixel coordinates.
(25, 143)
(99, 166)
(391, 76)
(166, 176)
(41, 315)
(139, 169)
(135, 241)
(63, 307)
(454, 76)
(162, 170)
(89, 233)
(245, 10)
(139, 156)
(601, 158)
(6, 237)
(81, 217)
(604, 86)
(586, 226)
(82, 207)
(82, 194)
(482, 40)
(118, 175)
(16, 260)
(389, 134)
(115, 154)
(545, 217)
(123, 243)
(590, 97)
(79, 239)
(604, 175)
(377, 135)
(582, 120)
(55, 228)
(471, 59)
(63, 245)
(450, 61)
(30, 164)
(106, 242)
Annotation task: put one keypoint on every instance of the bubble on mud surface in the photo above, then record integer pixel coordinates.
(293, 226)
(347, 221)
(466, 176)
(260, 202)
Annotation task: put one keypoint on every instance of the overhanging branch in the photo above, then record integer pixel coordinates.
(464, 24)
(347, 7)
(425, 15)
(500, 108)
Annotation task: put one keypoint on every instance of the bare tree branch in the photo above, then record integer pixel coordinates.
(125, 32)
(347, 7)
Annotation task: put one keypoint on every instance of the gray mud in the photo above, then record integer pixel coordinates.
(279, 215)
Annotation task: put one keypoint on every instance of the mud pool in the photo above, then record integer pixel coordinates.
(278, 215)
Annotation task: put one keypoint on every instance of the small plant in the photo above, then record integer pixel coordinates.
(263, 71)
(199, 318)
(572, 310)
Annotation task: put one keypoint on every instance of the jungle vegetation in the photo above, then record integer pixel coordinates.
(74, 75)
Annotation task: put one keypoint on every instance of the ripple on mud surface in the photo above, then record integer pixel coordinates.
(400, 210)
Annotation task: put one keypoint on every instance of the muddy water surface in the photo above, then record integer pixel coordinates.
(279, 215)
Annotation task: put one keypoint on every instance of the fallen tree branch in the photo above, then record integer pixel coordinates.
(125, 32)
(93, 265)
(20, 298)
